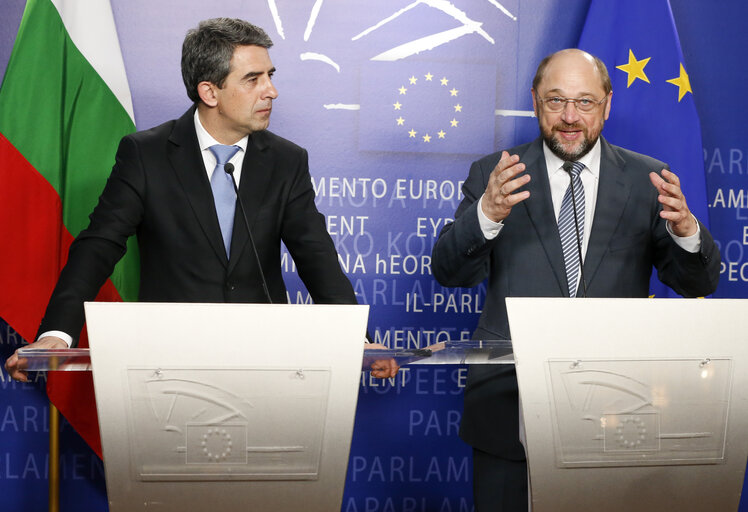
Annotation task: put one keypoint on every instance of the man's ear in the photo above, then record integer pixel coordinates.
(608, 104)
(207, 93)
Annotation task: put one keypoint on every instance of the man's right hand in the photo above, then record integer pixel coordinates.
(16, 367)
(382, 368)
(500, 195)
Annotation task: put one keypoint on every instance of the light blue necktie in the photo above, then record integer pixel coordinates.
(566, 227)
(223, 192)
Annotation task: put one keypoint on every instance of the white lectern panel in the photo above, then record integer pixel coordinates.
(633, 404)
(639, 412)
(226, 406)
(224, 424)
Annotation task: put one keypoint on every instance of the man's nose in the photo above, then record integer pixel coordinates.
(270, 90)
(570, 114)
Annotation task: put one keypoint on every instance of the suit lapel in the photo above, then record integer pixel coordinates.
(540, 211)
(257, 171)
(187, 162)
(612, 194)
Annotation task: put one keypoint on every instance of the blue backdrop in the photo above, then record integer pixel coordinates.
(460, 72)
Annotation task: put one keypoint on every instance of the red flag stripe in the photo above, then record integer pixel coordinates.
(35, 248)
(34, 241)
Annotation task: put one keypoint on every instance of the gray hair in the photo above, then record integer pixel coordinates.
(207, 50)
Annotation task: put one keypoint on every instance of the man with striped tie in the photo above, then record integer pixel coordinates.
(568, 214)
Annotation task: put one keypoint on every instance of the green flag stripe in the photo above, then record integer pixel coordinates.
(58, 112)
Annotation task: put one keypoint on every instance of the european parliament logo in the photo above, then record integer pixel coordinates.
(427, 107)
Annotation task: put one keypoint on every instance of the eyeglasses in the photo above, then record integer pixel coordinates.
(558, 103)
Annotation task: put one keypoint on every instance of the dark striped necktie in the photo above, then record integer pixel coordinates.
(566, 227)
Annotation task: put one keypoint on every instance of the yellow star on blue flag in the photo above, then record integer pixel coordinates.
(634, 69)
(683, 83)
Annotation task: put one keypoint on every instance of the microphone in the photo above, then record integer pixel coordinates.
(229, 168)
(568, 166)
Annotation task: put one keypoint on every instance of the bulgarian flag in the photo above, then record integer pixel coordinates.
(64, 106)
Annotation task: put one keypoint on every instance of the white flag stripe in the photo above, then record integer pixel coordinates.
(90, 25)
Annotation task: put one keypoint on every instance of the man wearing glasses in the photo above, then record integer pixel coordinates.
(525, 228)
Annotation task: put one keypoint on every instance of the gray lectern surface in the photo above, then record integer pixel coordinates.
(225, 406)
(633, 404)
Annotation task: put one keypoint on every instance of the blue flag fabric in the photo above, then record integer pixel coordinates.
(653, 110)
(427, 107)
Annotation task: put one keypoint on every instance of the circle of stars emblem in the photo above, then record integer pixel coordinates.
(216, 444)
(416, 84)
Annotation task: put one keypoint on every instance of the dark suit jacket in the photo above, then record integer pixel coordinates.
(159, 190)
(525, 260)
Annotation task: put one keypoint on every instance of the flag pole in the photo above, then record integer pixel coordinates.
(54, 458)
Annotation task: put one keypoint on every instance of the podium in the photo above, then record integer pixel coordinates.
(225, 407)
(627, 404)
(633, 404)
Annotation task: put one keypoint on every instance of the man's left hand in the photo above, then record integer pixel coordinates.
(674, 207)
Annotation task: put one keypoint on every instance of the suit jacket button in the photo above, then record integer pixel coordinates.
(230, 287)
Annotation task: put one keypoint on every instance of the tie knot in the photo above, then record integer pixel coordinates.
(577, 168)
(223, 153)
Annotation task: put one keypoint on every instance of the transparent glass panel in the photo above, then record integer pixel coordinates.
(227, 424)
(447, 352)
(59, 359)
(639, 412)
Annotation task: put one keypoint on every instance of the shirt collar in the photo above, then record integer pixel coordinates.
(591, 160)
(206, 140)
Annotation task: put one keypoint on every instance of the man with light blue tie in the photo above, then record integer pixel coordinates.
(568, 214)
(171, 188)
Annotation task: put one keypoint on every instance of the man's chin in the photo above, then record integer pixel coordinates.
(569, 153)
(258, 127)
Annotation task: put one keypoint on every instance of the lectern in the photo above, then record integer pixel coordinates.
(627, 404)
(633, 404)
(225, 406)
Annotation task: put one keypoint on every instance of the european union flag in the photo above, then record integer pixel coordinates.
(653, 110)
(427, 107)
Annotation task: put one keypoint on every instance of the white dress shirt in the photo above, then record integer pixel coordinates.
(206, 140)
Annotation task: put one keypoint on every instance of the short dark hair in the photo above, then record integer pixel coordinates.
(601, 69)
(207, 50)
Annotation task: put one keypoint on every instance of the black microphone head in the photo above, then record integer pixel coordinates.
(229, 168)
(568, 166)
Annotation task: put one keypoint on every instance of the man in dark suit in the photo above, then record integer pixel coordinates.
(163, 186)
(508, 229)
